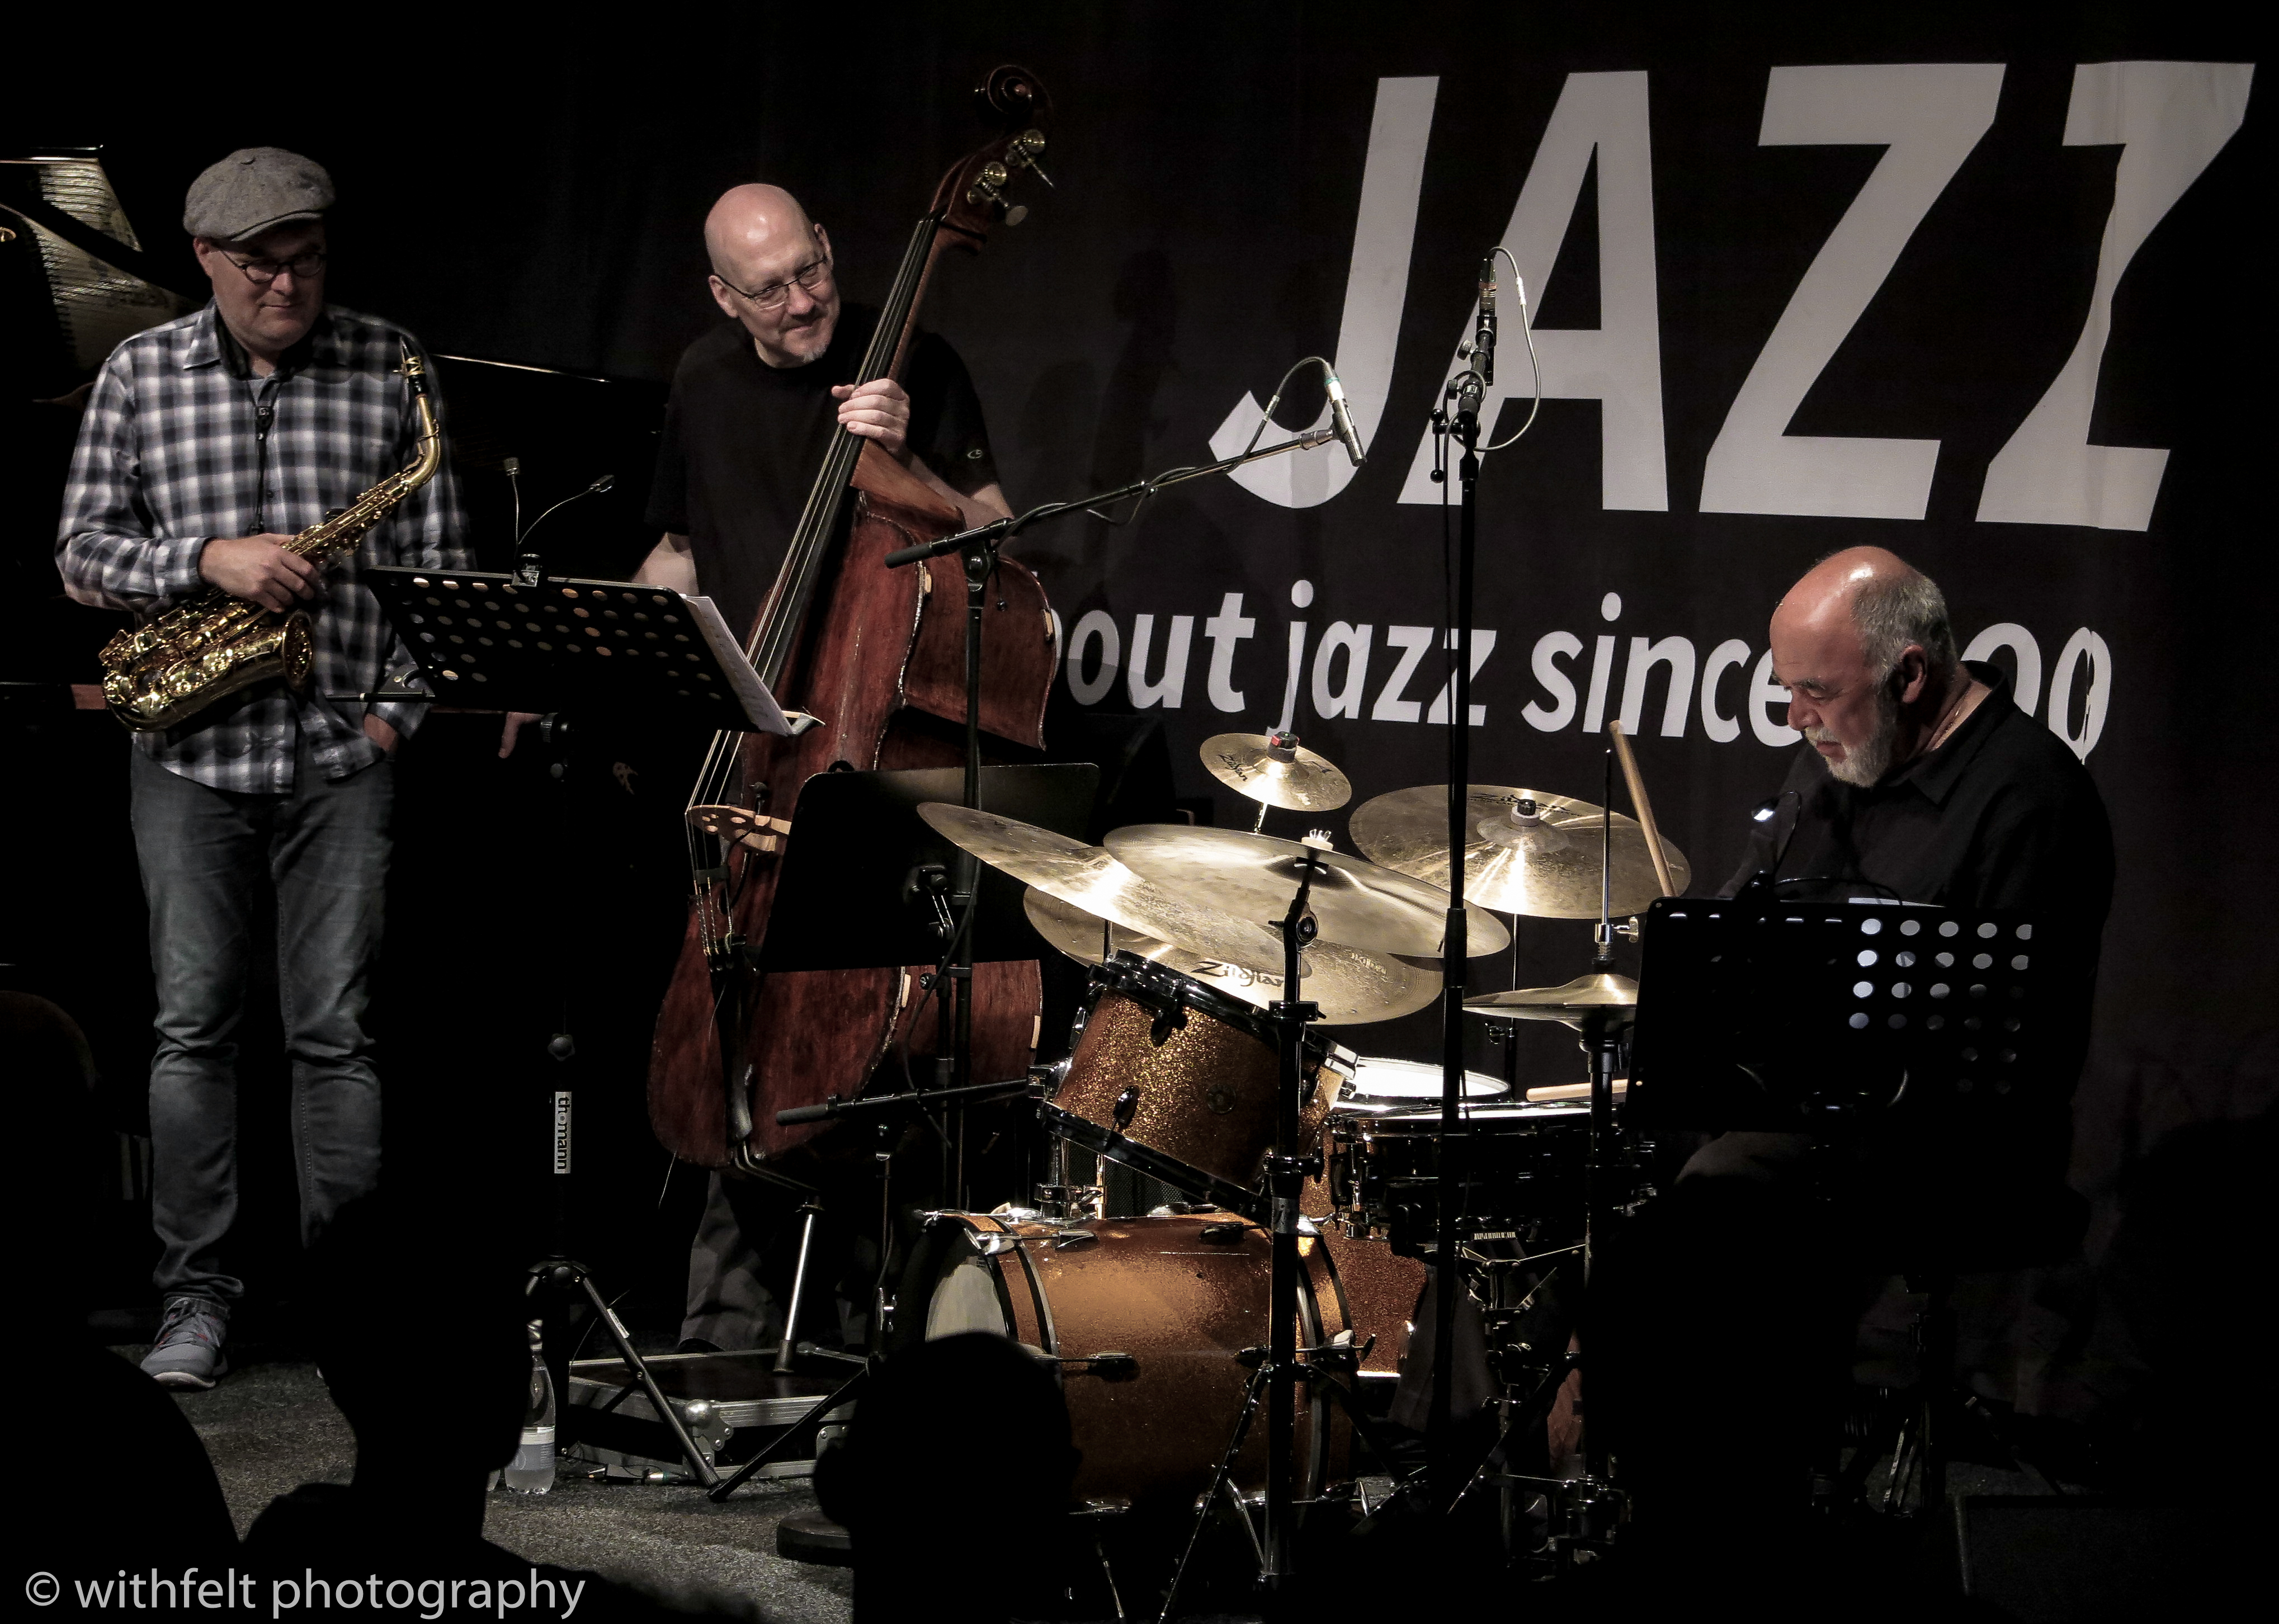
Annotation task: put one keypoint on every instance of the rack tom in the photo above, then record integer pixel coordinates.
(1178, 1080)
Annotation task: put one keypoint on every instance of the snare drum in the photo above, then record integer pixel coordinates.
(1522, 1173)
(1177, 1079)
(1145, 1317)
(1377, 1077)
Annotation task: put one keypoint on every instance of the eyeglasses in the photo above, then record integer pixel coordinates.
(261, 272)
(810, 277)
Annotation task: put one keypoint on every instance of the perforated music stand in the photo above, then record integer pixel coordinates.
(486, 639)
(1815, 1016)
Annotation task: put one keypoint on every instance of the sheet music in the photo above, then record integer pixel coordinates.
(751, 693)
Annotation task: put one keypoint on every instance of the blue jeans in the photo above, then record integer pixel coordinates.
(206, 855)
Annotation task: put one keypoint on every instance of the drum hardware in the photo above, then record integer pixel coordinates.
(1353, 900)
(565, 1276)
(1259, 1512)
(881, 1108)
(1272, 769)
(1274, 1376)
(1060, 1198)
(1109, 1367)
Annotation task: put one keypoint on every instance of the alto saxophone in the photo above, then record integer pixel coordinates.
(167, 671)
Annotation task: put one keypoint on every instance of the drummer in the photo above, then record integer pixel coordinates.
(1918, 780)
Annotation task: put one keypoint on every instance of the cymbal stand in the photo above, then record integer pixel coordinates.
(1276, 1369)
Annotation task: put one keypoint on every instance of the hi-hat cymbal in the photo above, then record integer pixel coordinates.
(1255, 876)
(1274, 768)
(1529, 851)
(1351, 986)
(1603, 994)
(1095, 881)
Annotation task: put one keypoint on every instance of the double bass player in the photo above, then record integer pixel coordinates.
(754, 404)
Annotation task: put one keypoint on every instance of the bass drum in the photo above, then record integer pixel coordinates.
(1146, 1317)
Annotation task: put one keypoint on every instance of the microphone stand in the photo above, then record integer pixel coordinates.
(1446, 1473)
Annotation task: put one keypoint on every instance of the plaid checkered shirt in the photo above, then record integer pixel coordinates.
(180, 444)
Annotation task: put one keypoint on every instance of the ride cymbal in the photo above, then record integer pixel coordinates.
(1096, 882)
(1255, 876)
(1529, 852)
(1351, 986)
(1275, 768)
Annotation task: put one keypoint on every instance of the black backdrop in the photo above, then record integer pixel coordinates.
(1784, 229)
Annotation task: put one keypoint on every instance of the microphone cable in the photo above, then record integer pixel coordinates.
(1534, 365)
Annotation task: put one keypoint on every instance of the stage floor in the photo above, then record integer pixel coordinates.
(271, 1427)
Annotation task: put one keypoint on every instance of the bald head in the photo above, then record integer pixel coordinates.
(1881, 599)
(747, 224)
(1863, 645)
(759, 240)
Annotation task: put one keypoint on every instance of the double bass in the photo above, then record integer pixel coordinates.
(871, 661)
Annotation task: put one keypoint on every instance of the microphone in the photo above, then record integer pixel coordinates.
(1342, 418)
(1483, 340)
(529, 567)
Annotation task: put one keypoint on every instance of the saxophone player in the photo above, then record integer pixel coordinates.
(208, 442)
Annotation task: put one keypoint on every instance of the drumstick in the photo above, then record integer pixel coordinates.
(1643, 808)
(1557, 1091)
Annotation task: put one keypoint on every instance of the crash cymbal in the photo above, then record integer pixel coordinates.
(1095, 881)
(1255, 876)
(1351, 986)
(1530, 852)
(1275, 768)
(1599, 993)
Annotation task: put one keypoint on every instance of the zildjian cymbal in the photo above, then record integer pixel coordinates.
(1529, 851)
(1272, 768)
(1603, 993)
(1255, 877)
(1351, 986)
(1095, 881)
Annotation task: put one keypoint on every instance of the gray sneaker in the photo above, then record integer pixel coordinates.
(187, 1353)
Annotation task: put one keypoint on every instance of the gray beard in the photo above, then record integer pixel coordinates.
(1864, 765)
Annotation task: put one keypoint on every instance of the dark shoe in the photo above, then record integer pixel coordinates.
(187, 1353)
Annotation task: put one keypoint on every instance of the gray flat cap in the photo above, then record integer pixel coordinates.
(253, 189)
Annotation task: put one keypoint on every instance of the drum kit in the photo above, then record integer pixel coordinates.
(1179, 1069)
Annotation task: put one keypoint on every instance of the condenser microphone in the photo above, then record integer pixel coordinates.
(1341, 417)
(1483, 340)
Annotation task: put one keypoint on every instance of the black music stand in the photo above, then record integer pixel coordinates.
(488, 640)
(1921, 1049)
(495, 640)
(1823, 1017)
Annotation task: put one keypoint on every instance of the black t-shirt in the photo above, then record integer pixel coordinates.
(2003, 815)
(743, 442)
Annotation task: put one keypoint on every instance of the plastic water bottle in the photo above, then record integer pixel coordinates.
(531, 1469)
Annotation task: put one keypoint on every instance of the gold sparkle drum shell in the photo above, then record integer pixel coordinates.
(1177, 1079)
(1145, 1318)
